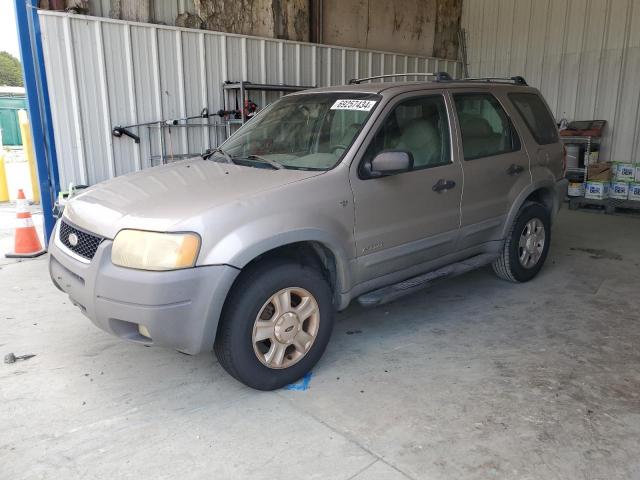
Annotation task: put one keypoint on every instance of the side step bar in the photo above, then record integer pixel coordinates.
(406, 287)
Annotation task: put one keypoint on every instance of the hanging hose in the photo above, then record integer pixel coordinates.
(120, 130)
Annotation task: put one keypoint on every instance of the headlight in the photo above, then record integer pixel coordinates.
(155, 250)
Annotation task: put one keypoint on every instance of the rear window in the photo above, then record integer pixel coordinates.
(536, 115)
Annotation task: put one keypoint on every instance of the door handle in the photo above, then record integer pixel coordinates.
(443, 185)
(515, 169)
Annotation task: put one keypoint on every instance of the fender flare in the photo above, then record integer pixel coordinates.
(544, 183)
(245, 252)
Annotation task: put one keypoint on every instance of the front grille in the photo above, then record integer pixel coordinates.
(87, 243)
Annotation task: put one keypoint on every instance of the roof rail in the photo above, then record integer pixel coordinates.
(439, 76)
(518, 80)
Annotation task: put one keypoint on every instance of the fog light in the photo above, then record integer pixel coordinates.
(143, 331)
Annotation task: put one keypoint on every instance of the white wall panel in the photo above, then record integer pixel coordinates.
(552, 61)
(117, 69)
(195, 93)
(519, 38)
(104, 72)
(625, 137)
(584, 55)
(506, 9)
(63, 115)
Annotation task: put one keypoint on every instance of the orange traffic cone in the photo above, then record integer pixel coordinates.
(27, 244)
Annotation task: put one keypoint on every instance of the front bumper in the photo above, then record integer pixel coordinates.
(179, 308)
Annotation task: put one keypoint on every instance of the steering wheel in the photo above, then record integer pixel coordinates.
(338, 146)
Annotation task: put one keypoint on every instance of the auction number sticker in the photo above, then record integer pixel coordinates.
(360, 105)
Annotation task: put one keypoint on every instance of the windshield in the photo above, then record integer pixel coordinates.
(307, 132)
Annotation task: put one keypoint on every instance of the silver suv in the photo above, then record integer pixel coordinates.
(368, 191)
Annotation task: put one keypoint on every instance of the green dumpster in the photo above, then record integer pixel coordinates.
(9, 106)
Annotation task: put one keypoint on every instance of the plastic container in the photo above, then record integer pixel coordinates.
(597, 190)
(576, 189)
(573, 156)
(619, 190)
(634, 192)
(625, 172)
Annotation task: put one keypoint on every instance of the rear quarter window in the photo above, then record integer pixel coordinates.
(536, 116)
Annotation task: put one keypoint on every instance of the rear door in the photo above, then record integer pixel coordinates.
(406, 220)
(495, 164)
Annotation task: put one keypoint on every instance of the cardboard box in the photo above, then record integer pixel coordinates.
(599, 172)
(597, 190)
(619, 190)
(634, 192)
(625, 172)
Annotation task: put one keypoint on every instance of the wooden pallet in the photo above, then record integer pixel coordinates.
(609, 205)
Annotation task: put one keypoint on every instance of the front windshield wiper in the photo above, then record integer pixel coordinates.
(268, 161)
(212, 151)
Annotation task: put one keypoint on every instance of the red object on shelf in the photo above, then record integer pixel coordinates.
(585, 128)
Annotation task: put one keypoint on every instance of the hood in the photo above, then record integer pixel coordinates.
(159, 197)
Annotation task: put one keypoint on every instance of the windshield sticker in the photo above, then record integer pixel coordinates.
(360, 105)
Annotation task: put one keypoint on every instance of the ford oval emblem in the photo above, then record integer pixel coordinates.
(73, 239)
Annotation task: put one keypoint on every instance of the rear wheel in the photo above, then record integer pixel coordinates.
(275, 324)
(527, 245)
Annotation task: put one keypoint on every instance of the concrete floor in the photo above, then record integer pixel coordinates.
(473, 379)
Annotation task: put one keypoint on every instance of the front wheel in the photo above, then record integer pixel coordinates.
(527, 245)
(275, 325)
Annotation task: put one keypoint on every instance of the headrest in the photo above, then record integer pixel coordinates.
(475, 126)
(419, 133)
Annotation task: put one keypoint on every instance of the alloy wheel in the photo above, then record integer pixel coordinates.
(286, 327)
(531, 244)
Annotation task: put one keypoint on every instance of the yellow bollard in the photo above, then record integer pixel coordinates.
(27, 146)
(4, 189)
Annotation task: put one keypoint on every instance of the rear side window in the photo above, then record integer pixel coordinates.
(486, 129)
(536, 115)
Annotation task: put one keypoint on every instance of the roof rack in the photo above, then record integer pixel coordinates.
(518, 80)
(439, 76)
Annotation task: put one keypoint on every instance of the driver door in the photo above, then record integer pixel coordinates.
(405, 222)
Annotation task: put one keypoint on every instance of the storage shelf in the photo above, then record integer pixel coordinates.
(244, 86)
(580, 139)
(609, 205)
(588, 142)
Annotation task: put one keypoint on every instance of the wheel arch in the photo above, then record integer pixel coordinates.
(542, 192)
(305, 249)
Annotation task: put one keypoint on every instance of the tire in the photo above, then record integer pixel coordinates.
(254, 294)
(509, 265)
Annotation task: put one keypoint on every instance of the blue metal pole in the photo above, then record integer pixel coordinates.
(35, 82)
(45, 107)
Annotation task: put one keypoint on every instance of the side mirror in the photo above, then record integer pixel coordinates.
(391, 162)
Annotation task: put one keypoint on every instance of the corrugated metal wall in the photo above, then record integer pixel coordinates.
(103, 72)
(584, 55)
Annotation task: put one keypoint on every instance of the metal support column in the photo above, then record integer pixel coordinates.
(35, 82)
